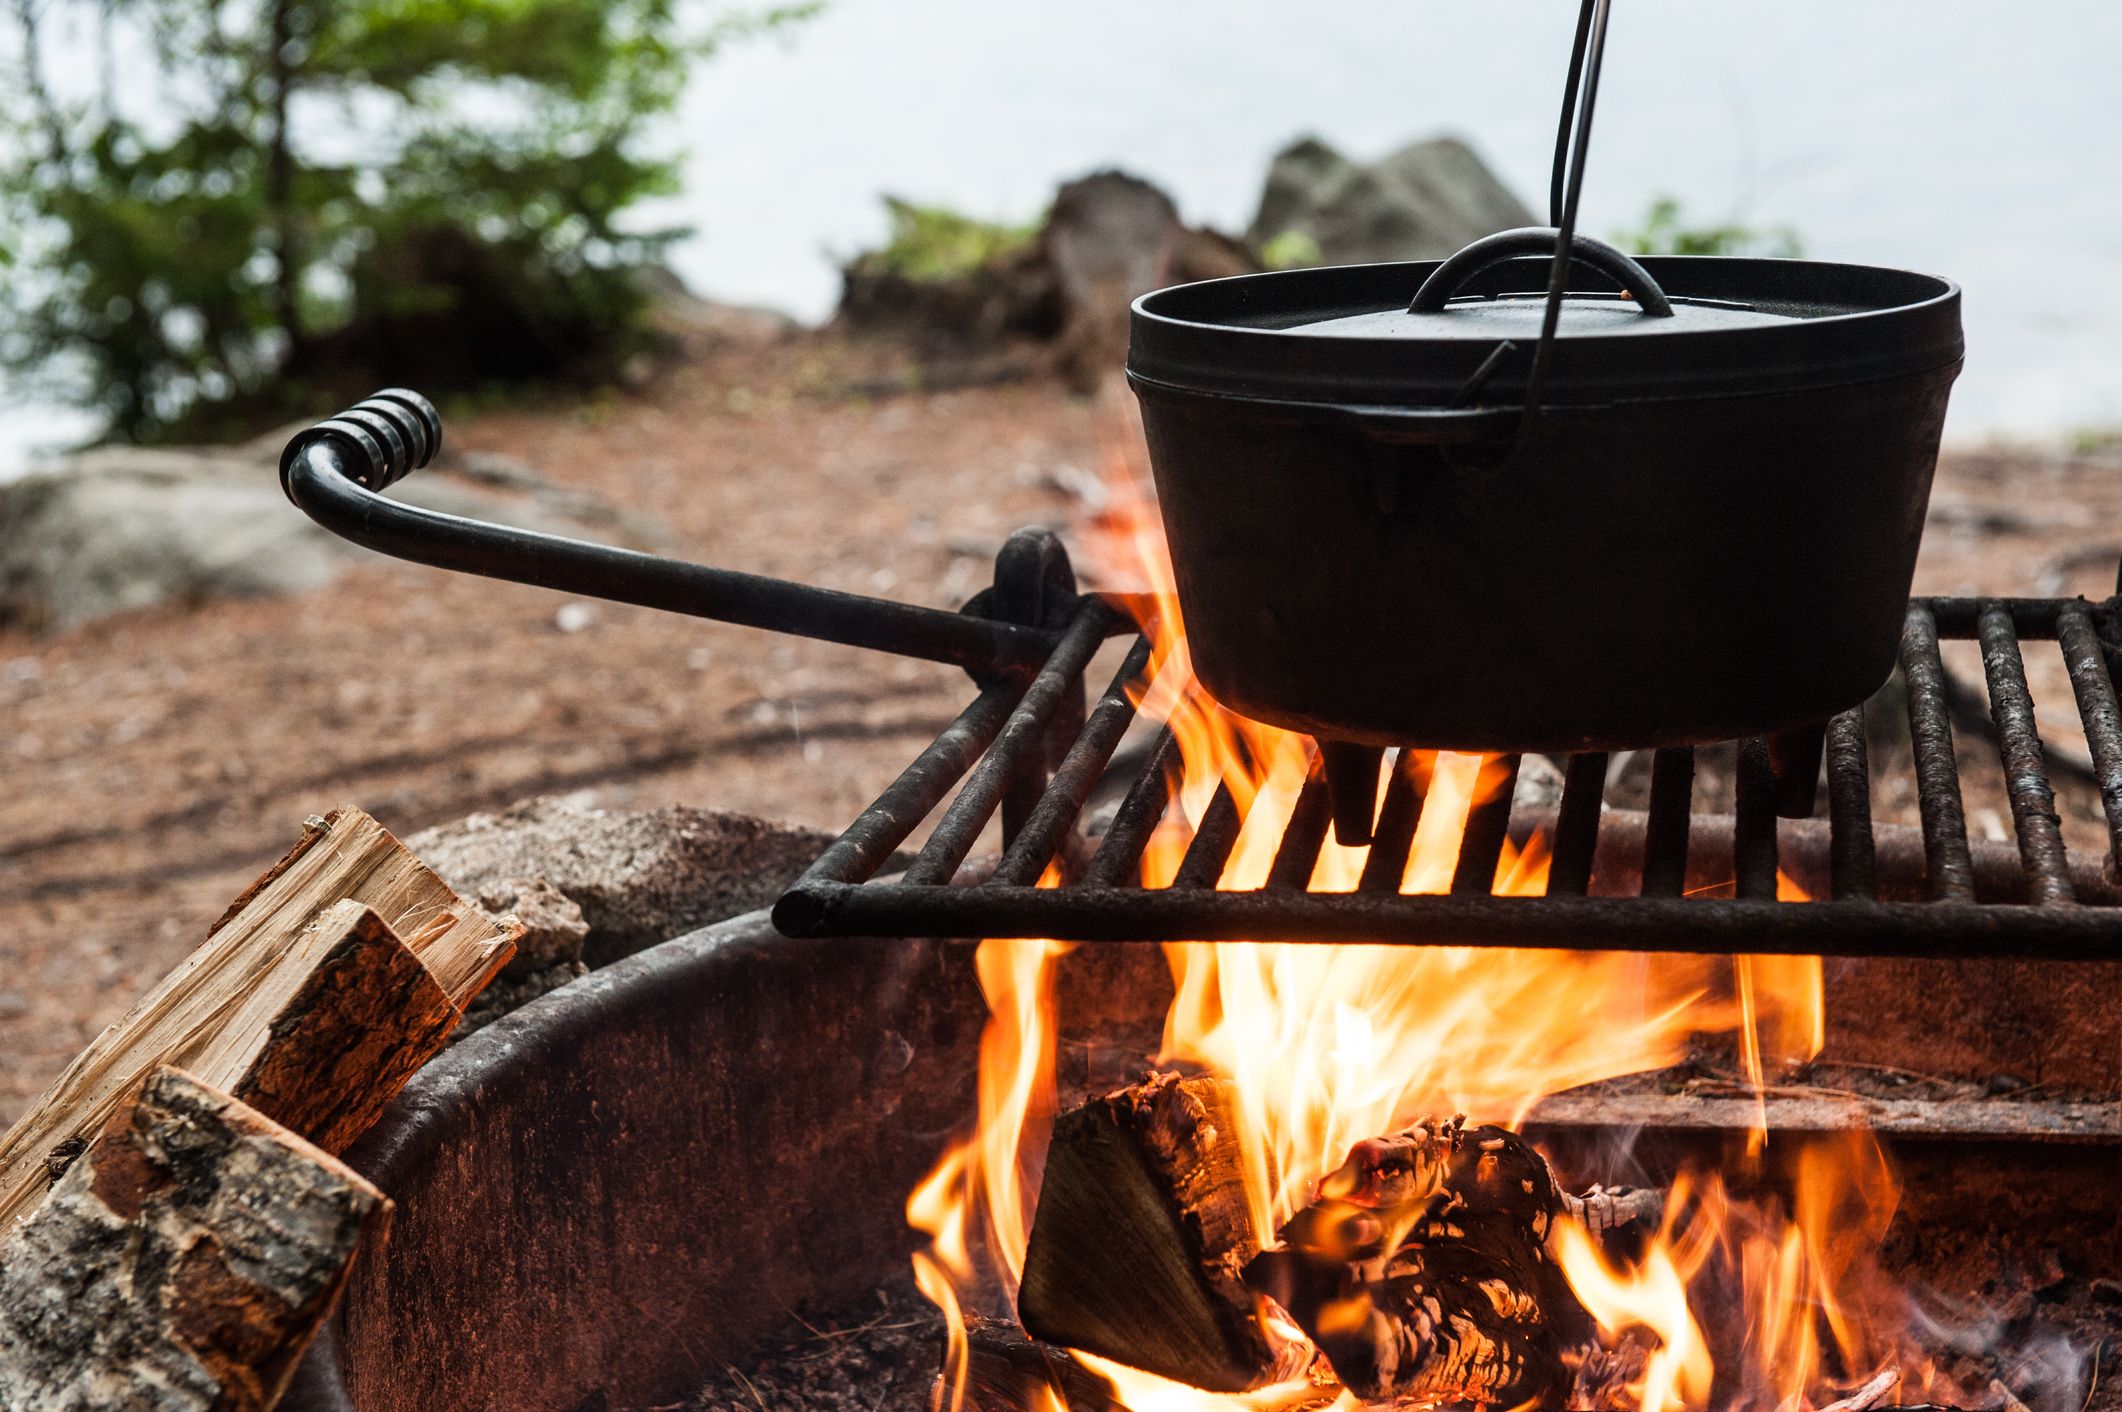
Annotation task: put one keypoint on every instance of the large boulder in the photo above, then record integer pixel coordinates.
(126, 527)
(1421, 203)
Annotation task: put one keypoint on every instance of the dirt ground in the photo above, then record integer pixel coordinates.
(157, 761)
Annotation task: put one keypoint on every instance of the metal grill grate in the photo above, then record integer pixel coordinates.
(1965, 900)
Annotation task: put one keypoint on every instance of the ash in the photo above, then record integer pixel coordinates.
(878, 1356)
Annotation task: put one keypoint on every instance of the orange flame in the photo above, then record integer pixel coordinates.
(1813, 1299)
(1327, 1045)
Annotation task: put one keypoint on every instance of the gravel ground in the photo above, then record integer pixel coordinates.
(157, 761)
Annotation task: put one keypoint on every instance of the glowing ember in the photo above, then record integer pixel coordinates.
(1330, 1045)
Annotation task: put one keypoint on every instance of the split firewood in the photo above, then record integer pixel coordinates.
(1142, 1236)
(182, 1264)
(333, 978)
(1422, 1271)
(1008, 1371)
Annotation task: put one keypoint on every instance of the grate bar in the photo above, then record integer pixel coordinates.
(1212, 841)
(1405, 794)
(2102, 715)
(1672, 802)
(1952, 872)
(1023, 734)
(2033, 800)
(1754, 823)
(2032, 619)
(991, 745)
(1709, 926)
(1577, 825)
(1852, 860)
(1119, 856)
(1076, 776)
(1487, 825)
(882, 827)
(1298, 853)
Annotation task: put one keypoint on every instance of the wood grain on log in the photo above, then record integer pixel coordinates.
(1142, 1235)
(365, 1017)
(316, 995)
(183, 1264)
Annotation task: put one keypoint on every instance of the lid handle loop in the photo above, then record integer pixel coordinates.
(1492, 250)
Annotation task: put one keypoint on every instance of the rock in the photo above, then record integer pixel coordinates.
(123, 527)
(1539, 787)
(1108, 238)
(1298, 181)
(637, 876)
(1421, 203)
(553, 926)
(548, 954)
(683, 316)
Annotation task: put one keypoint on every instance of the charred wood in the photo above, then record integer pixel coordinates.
(1142, 1235)
(1422, 1270)
(1008, 1371)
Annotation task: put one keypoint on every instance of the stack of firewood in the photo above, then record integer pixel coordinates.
(174, 1225)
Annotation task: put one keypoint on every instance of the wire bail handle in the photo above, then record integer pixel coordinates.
(1565, 189)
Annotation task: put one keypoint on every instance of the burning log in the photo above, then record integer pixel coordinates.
(1422, 1271)
(340, 972)
(1142, 1236)
(1007, 1371)
(182, 1264)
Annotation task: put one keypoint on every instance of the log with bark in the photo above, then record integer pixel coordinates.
(1421, 1273)
(314, 998)
(182, 1264)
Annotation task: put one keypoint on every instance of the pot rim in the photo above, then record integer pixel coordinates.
(1252, 336)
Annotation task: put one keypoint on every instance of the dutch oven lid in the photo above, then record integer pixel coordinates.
(1693, 326)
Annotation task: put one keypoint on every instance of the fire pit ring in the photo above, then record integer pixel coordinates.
(642, 1173)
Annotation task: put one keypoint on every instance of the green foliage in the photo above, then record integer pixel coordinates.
(933, 244)
(1665, 232)
(1293, 249)
(318, 194)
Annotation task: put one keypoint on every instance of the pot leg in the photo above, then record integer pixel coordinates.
(1352, 780)
(1794, 758)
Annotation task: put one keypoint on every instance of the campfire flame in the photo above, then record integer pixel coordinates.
(1330, 1044)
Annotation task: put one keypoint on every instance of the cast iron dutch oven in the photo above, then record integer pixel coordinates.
(1705, 528)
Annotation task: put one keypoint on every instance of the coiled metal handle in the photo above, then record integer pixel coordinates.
(333, 471)
(384, 438)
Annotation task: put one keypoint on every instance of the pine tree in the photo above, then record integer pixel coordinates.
(312, 195)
